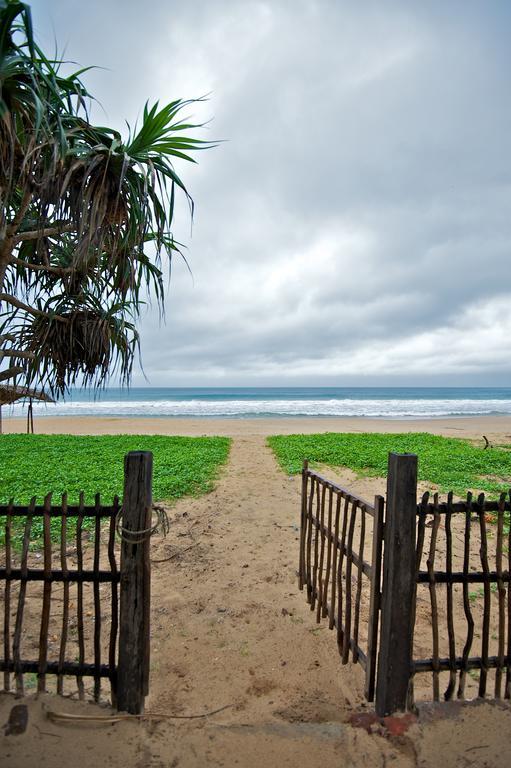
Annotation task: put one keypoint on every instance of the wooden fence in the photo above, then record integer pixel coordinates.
(417, 611)
(120, 655)
(337, 530)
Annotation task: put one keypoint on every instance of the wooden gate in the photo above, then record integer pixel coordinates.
(341, 539)
(72, 642)
(412, 559)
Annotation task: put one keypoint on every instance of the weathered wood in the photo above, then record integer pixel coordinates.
(65, 604)
(73, 668)
(308, 543)
(507, 689)
(97, 602)
(133, 669)
(321, 579)
(450, 604)
(18, 626)
(343, 550)
(319, 495)
(18, 510)
(433, 598)
(485, 638)
(444, 665)
(329, 554)
(303, 525)
(349, 564)
(502, 596)
(358, 595)
(375, 598)
(37, 574)
(333, 596)
(421, 530)
(112, 658)
(399, 585)
(7, 599)
(466, 602)
(79, 596)
(45, 613)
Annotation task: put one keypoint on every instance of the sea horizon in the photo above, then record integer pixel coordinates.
(281, 402)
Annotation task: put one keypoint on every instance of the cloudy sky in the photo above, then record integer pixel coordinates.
(355, 226)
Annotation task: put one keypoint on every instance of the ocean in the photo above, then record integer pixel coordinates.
(261, 402)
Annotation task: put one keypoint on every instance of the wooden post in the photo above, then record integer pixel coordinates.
(133, 668)
(303, 523)
(399, 585)
(375, 598)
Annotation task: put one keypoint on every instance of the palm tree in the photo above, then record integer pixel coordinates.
(85, 217)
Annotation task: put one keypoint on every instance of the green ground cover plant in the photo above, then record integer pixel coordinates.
(34, 465)
(450, 464)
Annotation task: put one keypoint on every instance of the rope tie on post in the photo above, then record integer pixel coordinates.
(161, 525)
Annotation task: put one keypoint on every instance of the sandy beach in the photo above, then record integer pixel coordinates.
(496, 428)
(230, 628)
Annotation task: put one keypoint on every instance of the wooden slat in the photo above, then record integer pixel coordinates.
(97, 603)
(55, 511)
(309, 540)
(342, 551)
(485, 638)
(7, 598)
(433, 598)
(349, 586)
(419, 549)
(65, 597)
(303, 526)
(114, 603)
(443, 665)
(358, 595)
(37, 574)
(501, 596)
(329, 554)
(375, 598)
(21, 601)
(450, 605)
(464, 577)
(79, 599)
(316, 549)
(53, 668)
(334, 563)
(321, 557)
(466, 600)
(507, 689)
(45, 613)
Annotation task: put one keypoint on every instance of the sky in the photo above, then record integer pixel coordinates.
(354, 226)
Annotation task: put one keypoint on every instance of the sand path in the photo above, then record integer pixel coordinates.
(230, 627)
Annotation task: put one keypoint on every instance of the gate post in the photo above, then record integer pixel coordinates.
(399, 585)
(135, 591)
(303, 525)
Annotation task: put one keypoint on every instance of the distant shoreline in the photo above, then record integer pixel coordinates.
(496, 428)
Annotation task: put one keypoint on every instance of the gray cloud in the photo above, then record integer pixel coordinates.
(355, 225)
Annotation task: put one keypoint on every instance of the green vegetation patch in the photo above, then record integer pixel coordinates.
(34, 465)
(449, 463)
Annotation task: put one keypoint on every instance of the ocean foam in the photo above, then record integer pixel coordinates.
(232, 408)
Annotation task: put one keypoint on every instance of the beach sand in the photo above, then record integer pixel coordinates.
(496, 428)
(229, 626)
